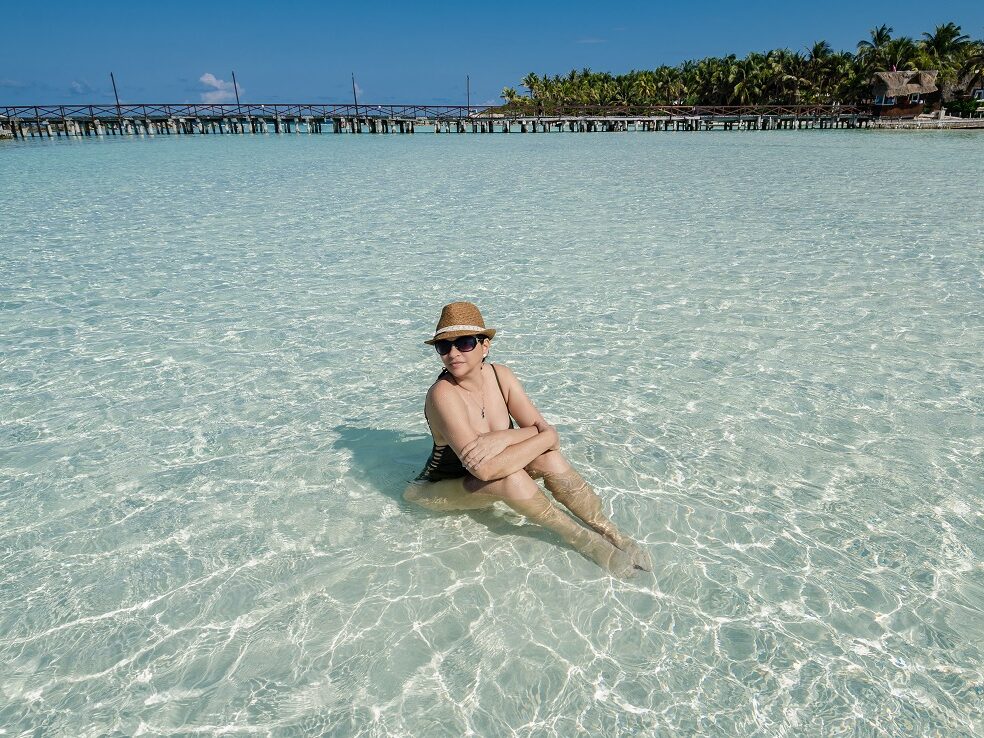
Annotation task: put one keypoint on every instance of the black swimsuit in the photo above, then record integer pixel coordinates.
(444, 462)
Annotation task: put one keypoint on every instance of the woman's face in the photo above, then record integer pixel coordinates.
(459, 363)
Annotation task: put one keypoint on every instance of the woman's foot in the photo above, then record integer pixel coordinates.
(539, 509)
(637, 554)
(600, 550)
(571, 490)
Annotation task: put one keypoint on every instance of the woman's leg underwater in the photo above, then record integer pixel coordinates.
(446, 495)
(523, 495)
(571, 490)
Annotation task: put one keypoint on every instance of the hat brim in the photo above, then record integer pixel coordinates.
(451, 335)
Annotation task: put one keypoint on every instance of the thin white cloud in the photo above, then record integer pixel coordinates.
(12, 84)
(218, 90)
(78, 87)
(592, 40)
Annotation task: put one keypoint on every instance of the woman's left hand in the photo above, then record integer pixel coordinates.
(486, 446)
(543, 426)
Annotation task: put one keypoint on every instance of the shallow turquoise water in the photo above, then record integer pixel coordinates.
(763, 348)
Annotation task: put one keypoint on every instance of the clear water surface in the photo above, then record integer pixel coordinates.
(763, 348)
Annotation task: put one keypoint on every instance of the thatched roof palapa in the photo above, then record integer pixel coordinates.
(897, 84)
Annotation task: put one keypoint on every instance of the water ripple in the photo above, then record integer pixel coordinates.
(763, 352)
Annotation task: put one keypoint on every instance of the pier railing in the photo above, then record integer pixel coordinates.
(78, 120)
(152, 111)
(649, 111)
(250, 110)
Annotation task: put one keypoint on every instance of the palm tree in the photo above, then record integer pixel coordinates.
(899, 53)
(687, 84)
(746, 78)
(509, 94)
(643, 89)
(849, 78)
(945, 43)
(817, 70)
(670, 83)
(879, 37)
(820, 52)
(532, 83)
(870, 52)
(971, 73)
(709, 82)
(789, 72)
(945, 49)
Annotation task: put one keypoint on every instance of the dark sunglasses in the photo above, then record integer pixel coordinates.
(464, 344)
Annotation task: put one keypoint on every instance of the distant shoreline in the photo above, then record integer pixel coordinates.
(816, 75)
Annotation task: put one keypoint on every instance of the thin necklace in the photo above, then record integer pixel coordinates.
(483, 391)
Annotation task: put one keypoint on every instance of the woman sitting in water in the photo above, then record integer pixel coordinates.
(479, 457)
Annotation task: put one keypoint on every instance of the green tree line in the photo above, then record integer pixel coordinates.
(819, 75)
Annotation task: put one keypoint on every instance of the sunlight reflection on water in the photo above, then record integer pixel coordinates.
(763, 350)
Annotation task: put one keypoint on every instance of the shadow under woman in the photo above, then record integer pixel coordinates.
(388, 460)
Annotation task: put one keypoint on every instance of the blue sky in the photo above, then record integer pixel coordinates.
(63, 52)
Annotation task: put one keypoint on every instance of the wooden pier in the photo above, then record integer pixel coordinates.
(80, 121)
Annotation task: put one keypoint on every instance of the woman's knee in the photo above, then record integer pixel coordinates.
(550, 462)
(516, 486)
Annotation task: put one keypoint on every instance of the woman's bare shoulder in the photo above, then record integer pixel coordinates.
(504, 373)
(440, 391)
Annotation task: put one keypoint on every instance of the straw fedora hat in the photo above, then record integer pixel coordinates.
(460, 319)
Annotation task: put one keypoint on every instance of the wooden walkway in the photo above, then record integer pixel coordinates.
(928, 124)
(76, 121)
